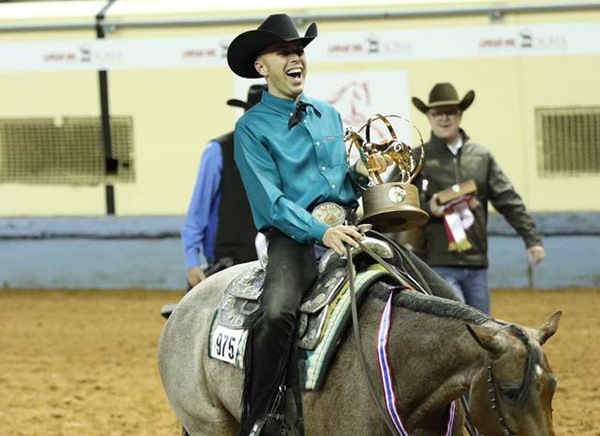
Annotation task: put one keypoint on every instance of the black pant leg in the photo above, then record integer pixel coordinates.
(291, 271)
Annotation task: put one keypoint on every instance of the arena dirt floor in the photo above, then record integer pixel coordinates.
(84, 362)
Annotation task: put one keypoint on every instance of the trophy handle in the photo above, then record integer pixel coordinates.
(390, 148)
(367, 125)
(418, 169)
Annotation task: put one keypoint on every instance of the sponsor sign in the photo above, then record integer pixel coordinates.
(386, 45)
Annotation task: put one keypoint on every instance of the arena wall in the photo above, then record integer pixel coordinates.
(146, 252)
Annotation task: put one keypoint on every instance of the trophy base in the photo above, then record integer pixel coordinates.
(393, 207)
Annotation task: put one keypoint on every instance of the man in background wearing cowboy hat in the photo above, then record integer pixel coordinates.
(451, 158)
(218, 223)
(290, 151)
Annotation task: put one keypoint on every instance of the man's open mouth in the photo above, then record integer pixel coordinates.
(295, 73)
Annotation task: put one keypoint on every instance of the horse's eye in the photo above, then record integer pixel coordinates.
(511, 394)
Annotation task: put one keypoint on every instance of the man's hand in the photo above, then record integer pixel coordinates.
(334, 237)
(378, 161)
(435, 207)
(535, 254)
(195, 275)
(474, 203)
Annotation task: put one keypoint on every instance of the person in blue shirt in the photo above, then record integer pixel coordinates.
(218, 225)
(290, 152)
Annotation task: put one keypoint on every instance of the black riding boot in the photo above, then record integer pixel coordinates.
(291, 270)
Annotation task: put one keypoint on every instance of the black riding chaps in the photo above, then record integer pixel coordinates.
(291, 271)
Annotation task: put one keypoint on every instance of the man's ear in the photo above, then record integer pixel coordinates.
(261, 68)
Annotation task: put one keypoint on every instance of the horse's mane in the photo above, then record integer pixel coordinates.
(442, 307)
(429, 304)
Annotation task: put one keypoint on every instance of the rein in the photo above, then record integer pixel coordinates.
(495, 404)
(357, 339)
(491, 381)
(389, 416)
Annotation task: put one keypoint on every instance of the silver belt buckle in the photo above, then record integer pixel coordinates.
(330, 213)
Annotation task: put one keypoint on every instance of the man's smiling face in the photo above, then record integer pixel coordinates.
(445, 122)
(284, 68)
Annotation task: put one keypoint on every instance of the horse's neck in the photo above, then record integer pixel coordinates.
(433, 361)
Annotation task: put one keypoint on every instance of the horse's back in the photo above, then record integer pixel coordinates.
(193, 382)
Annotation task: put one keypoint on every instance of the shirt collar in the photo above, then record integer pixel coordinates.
(440, 144)
(456, 146)
(278, 104)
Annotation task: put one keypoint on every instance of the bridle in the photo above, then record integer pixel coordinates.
(494, 403)
(491, 381)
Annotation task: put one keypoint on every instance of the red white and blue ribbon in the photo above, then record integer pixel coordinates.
(457, 219)
(385, 373)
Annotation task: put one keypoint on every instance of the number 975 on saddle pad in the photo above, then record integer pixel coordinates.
(226, 344)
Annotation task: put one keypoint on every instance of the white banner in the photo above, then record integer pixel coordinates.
(459, 42)
(359, 95)
(495, 40)
(105, 54)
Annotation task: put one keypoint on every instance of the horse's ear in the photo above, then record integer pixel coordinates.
(486, 338)
(546, 331)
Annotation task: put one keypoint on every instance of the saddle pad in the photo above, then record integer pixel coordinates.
(229, 345)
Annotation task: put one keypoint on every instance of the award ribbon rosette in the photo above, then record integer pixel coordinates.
(389, 207)
(457, 213)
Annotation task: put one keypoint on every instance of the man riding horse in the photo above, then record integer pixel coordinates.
(290, 151)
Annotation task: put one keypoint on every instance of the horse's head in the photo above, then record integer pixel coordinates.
(512, 395)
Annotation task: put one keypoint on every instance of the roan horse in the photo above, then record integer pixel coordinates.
(438, 350)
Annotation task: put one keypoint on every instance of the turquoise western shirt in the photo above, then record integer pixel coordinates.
(286, 172)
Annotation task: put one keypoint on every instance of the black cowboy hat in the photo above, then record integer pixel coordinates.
(444, 94)
(254, 96)
(245, 48)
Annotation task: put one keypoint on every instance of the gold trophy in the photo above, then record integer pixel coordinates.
(389, 207)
